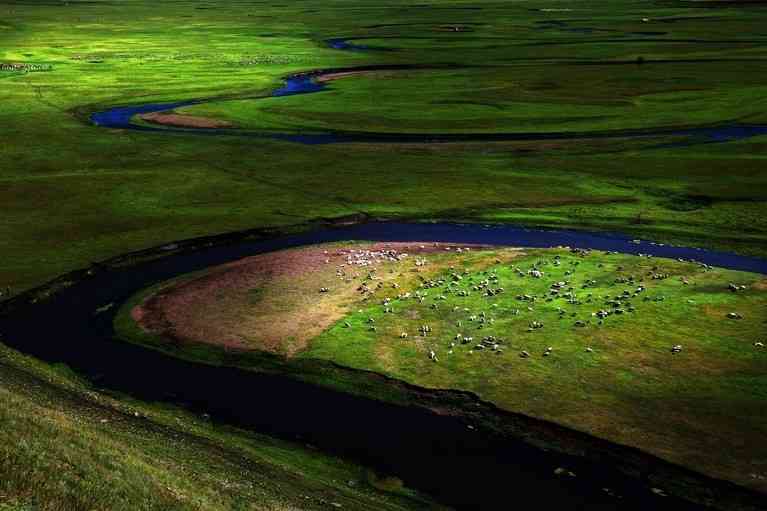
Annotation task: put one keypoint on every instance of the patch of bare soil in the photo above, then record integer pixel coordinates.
(379, 73)
(329, 77)
(276, 302)
(183, 121)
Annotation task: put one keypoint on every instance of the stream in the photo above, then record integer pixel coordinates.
(443, 455)
(463, 466)
(122, 117)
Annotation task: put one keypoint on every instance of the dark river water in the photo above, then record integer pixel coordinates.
(441, 455)
(459, 465)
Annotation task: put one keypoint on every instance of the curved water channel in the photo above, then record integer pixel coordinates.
(122, 117)
(444, 455)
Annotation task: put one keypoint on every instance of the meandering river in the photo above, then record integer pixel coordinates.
(443, 455)
(440, 454)
(122, 117)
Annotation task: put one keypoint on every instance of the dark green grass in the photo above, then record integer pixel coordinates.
(66, 447)
(72, 193)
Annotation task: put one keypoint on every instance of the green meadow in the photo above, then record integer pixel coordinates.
(520, 97)
(65, 446)
(72, 193)
(658, 354)
(589, 343)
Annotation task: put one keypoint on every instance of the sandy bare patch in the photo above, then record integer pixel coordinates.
(380, 73)
(183, 121)
(329, 77)
(273, 302)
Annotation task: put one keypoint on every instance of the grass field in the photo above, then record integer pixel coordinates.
(84, 193)
(72, 193)
(587, 344)
(525, 97)
(65, 446)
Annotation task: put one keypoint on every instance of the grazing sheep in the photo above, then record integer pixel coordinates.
(676, 348)
(564, 472)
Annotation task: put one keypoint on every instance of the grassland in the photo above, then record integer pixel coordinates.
(72, 193)
(523, 97)
(84, 193)
(65, 446)
(614, 376)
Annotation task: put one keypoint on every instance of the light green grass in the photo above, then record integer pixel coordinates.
(516, 98)
(700, 408)
(73, 193)
(616, 379)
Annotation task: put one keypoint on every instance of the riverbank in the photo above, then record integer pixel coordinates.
(599, 356)
(199, 114)
(122, 454)
(73, 193)
(588, 453)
